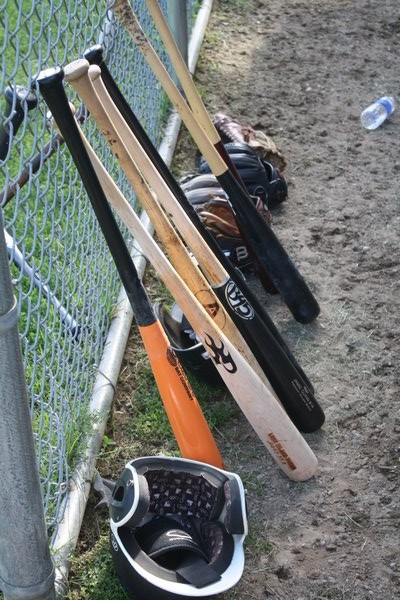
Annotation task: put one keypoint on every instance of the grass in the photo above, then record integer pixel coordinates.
(59, 238)
(92, 576)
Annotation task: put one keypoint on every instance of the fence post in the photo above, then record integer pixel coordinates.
(26, 568)
(177, 15)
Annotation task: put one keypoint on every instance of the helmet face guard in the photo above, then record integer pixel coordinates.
(177, 528)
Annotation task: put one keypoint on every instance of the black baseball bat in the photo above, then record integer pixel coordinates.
(270, 253)
(18, 101)
(187, 421)
(283, 375)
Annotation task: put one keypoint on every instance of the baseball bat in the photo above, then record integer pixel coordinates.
(187, 420)
(253, 312)
(9, 191)
(295, 394)
(269, 420)
(295, 397)
(91, 90)
(18, 101)
(186, 81)
(198, 108)
(206, 123)
(33, 166)
(262, 240)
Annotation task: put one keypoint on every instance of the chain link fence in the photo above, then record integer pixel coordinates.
(64, 280)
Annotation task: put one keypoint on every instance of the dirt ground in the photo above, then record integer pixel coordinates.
(302, 71)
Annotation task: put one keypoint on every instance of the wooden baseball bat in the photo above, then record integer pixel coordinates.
(256, 325)
(269, 361)
(186, 80)
(187, 421)
(264, 413)
(199, 110)
(268, 419)
(258, 235)
(87, 83)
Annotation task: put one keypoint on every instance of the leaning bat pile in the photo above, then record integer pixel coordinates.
(254, 362)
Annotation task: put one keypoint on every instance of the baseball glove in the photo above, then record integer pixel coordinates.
(210, 202)
(261, 179)
(232, 130)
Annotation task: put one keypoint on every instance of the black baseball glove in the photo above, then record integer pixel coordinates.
(261, 179)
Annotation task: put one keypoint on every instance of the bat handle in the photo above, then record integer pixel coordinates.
(25, 100)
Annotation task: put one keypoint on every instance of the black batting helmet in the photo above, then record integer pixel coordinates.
(177, 528)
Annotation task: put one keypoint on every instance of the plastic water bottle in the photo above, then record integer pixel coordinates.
(374, 115)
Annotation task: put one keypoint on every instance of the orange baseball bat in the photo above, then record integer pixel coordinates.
(187, 420)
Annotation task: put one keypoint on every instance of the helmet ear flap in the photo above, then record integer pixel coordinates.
(130, 499)
(234, 519)
(188, 348)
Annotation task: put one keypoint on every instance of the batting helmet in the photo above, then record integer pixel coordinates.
(177, 528)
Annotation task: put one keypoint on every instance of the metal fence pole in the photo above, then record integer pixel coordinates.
(26, 568)
(177, 16)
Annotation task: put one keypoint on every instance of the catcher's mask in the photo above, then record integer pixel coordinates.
(177, 528)
(187, 346)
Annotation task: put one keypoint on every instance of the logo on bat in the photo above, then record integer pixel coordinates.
(172, 357)
(238, 302)
(174, 362)
(219, 355)
(207, 300)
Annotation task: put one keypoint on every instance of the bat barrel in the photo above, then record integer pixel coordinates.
(283, 272)
(294, 394)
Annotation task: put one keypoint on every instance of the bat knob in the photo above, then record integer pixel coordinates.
(22, 95)
(94, 54)
(94, 72)
(50, 77)
(76, 69)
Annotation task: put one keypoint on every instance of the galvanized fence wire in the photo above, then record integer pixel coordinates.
(64, 279)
